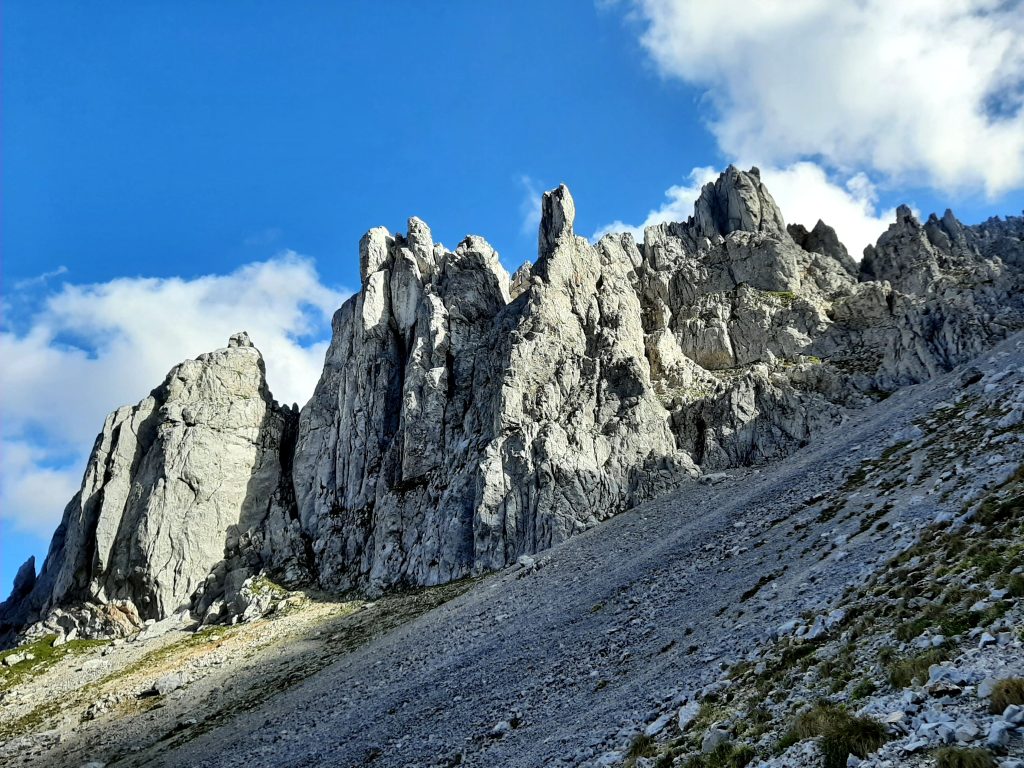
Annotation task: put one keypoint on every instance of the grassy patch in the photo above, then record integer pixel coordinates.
(786, 297)
(1015, 585)
(905, 671)
(707, 714)
(726, 755)
(839, 670)
(351, 628)
(264, 585)
(1007, 692)
(961, 757)
(863, 689)
(842, 734)
(44, 656)
(642, 746)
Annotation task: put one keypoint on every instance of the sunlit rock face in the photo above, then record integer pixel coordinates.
(454, 429)
(465, 418)
(169, 480)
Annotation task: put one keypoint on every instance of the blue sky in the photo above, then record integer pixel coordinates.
(190, 137)
(173, 170)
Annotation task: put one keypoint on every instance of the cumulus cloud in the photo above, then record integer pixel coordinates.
(89, 349)
(804, 193)
(917, 91)
(678, 205)
(32, 494)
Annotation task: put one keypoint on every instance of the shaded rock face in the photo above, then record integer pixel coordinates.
(465, 418)
(823, 239)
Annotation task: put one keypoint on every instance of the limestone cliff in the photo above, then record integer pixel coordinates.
(454, 429)
(465, 418)
(168, 483)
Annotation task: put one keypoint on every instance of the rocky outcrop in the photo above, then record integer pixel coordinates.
(738, 201)
(454, 429)
(168, 481)
(823, 239)
(465, 418)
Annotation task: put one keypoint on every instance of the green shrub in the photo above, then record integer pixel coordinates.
(863, 689)
(842, 734)
(1006, 692)
(959, 757)
(911, 629)
(1016, 585)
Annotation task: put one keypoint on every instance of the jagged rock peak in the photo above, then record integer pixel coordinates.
(374, 252)
(240, 339)
(25, 579)
(520, 279)
(738, 201)
(823, 239)
(167, 479)
(557, 214)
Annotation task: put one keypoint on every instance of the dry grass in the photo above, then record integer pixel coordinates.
(1006, 693)
(960, 757)
(842, 734)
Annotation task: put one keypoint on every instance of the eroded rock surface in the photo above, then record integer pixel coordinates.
(454, 429)
(465, 418)
(168, 481)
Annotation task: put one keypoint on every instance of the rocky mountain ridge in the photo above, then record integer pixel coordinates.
(465, 418)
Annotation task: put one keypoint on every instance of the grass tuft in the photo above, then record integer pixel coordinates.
(1005, 693)
(905, 671)
(642, 746)
(863, 689)
(960, 757)
(842, 734)
(726, 755)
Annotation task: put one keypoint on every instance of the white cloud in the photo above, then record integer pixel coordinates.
(917, 91)
(41, 279)
(805, 194)
(678, 205)
(529, 206)
(802, 191)
(92, 348)
(33, 495)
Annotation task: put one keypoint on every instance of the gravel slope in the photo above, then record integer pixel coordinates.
(567, 658)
